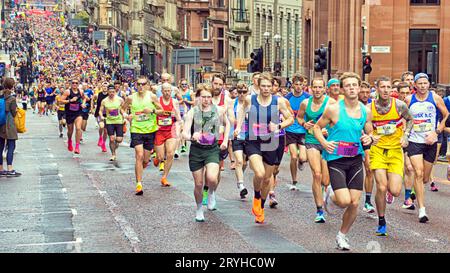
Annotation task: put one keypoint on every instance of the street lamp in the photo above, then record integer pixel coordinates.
(277, 64)
(267, 53)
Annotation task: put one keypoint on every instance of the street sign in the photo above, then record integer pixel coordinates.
(99, 35)
(76, 22)
(241, 64)
(186, 56)
(381, 49)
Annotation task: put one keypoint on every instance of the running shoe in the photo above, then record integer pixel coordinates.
(164, 182)
(258, 211)
(205, 197)
(12, 173)
(154, 155)
(60, 135)
(243, 193)
(77, 149)
(423, 219)
(408, 204)
(176, 155)
(368, 208)
(342, 243)
(155, 162)
(113, 158)
(272, 201)
(389, 198)
(320, 218)
(381, 231)
(293, 187)
(212, 201)
(329, 205)
(70, 146)
(139, 190)
(301, 165)
(413, 194)
(434, 187)
(199, 216)
(161, 166)
(183, 149)
(104, 150)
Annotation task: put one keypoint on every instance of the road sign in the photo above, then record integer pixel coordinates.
(241, 64)
(76, 22)
(186, 56)
(381, 49)
(99, 35)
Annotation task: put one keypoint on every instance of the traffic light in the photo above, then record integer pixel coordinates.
(367, 64)
(320, 59)
(256, 64)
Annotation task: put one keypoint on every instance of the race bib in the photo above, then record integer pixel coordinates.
(347, 149)
(165, 122)
(114, 112)
(207, 139)
(261, 130)
(142, 117)
(422, 125)
(386, 128)
(74, 107)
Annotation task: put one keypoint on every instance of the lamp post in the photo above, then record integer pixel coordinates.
(267, 52)
(277, 64)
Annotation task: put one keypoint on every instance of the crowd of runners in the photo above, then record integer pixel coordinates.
(349, 132)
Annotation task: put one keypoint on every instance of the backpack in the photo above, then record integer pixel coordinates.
(2, 111)
(19, 120)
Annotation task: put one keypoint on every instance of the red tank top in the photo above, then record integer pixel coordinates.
(165, 123)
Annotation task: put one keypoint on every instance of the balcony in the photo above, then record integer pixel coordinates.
(240, 21)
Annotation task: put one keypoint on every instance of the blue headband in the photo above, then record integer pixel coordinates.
(421, 76)
(333, 81)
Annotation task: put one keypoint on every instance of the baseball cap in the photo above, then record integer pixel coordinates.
(421, 76)
(333, 81)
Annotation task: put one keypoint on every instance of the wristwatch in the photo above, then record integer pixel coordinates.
(438, 131)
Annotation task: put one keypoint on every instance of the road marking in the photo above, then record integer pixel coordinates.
(60, 175)
(77, 241)
(124, 225)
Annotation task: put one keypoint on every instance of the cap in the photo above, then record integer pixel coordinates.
(111, 87)
(333, 81)
(421, 76)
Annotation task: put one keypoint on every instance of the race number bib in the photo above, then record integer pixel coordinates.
(422, 125)
(347, 149)
(142, 117)
(165, 122)
(74, 107)
(207, 139)
(114, 112)
(386, 128)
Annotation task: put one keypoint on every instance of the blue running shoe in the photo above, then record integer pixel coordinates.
(319, 217)
(381, 231)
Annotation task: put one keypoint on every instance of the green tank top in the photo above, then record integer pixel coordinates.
(142, 123)
(112, 108)
(314, 116)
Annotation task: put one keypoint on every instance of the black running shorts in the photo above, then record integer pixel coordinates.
(347, 173)
(428, 151)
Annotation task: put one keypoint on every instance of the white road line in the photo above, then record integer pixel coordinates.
(77, 241)
(124, 225)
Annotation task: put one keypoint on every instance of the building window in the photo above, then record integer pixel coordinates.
(220, 48)
(422, 44)
(425, 2)
(109, 17)
(205, 30)
(221, 3)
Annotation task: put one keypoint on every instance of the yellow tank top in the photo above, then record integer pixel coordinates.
(389, 126)
(61, 107)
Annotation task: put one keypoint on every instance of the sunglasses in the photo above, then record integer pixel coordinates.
(242, 91)
(141, 83)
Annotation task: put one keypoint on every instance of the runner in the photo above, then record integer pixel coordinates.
(424, 106)
(386, 156)
(186, 105)
(264, 143)
(88, 94)
(202, 129)
(364, 97)
(102, 132)
(166, 139)
(41, 102)
(61, 114)
(49, 97)
(295, 134)
(144, 106)
(112, 106)
(310, 112)
(74, 100)
(238, 142)
(344, 153)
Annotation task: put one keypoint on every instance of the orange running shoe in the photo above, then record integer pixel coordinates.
(258, 211)
(155, 162)
(164, 182)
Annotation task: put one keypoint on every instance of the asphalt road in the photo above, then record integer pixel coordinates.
(83, 203)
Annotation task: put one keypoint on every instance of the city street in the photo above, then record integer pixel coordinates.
(83, 203)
